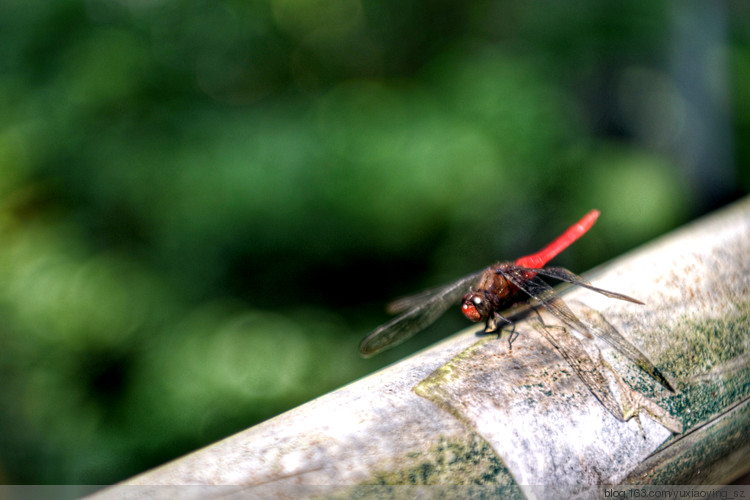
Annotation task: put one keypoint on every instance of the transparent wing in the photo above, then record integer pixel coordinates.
(401, 304)
(546, 296)
(563, 274)
(610, 335)
(571, 349)
(421, 310)
(540, 291)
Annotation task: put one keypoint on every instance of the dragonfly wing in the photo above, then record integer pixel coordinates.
(401, 304)
(542, 292)
(610, 335)
(571, 349)
(566, 344)
(546, 296)
(563, 274)
(421, 311)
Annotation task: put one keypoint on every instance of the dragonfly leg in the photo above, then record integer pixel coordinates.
(539, 316)
(513, 336)
(492, 327)
(545, 325)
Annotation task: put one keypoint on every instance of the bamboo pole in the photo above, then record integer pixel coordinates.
(469, 413)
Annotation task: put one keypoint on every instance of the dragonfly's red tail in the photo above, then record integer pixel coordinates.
(539, 259)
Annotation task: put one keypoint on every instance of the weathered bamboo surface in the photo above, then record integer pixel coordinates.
(470, 413)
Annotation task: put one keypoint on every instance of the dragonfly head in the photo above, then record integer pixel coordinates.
(475, 306)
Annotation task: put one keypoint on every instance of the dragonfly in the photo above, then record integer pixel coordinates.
(485, 293)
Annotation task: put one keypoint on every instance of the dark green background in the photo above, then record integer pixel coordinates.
(204, 205)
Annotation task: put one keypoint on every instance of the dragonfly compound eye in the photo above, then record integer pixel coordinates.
(472, 306)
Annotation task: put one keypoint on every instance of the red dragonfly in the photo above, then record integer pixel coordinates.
(484, 293)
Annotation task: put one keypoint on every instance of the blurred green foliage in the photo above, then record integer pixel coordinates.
(204, 205)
